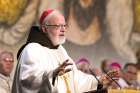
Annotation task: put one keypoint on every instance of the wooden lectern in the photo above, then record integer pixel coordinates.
(114, 91)
(123, 91)
(103, 90)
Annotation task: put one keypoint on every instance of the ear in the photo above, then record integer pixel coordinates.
(44, 29)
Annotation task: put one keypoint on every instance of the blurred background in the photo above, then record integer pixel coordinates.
(98, 29)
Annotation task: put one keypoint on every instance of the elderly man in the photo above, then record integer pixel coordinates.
(43, 59)
(6, 66)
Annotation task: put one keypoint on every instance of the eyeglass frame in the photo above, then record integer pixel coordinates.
(59, 26)
(8, 60)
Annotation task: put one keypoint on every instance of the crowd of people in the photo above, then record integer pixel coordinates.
(44, 66)
(127, 74)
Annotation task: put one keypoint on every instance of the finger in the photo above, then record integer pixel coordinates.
(67, 70)
(57, 71)
(116, 73)
(113, 73)
(64, 66)
(64, 63)
(63, 72)
(113, 76)
(61, 69)
(67, 64)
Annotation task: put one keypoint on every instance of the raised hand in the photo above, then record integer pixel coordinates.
(62, 68)
(108, 78)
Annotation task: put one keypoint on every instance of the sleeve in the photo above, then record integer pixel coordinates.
(85, 81)
(82, 81)
(32, 71)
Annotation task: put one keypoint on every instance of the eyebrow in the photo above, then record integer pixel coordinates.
(57, 25)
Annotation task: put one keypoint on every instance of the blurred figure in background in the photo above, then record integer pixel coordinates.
(84, 65)
(129, 76)
(138, 59)
(115, 65)
(6, 66)
(138, 64)
(105, 65)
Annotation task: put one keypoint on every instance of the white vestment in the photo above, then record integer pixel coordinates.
(36, 60)
(122, 83)
(5, 84)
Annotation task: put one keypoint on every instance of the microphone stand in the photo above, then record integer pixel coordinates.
(113, 80)
(100, 88)
(100, 85)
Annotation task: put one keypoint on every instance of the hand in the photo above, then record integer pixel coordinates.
(62, 69)
(107, 78)
(114, 74)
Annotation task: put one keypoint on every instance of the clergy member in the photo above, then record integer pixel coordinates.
(44, 65)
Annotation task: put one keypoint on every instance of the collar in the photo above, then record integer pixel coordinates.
(36, 35)
(4, 77)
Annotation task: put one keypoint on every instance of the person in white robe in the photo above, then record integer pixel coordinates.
(6, 67)
(44, 60)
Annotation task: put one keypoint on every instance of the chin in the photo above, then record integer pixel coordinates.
(60, 41)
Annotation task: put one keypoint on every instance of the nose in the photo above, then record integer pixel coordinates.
(62, 30)
(9, 63)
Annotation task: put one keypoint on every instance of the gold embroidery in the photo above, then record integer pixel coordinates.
(67, 84)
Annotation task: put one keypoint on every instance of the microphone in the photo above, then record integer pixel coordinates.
(100, 85)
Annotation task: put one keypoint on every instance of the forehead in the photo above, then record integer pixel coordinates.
(83, 64)
(131, 68)
(6, 55)
(115, 67)
(57, 18)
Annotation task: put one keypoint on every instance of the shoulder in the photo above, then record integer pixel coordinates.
(33, 46)
(28, 47)
(122, 81)
(32, 49)
(62, 49)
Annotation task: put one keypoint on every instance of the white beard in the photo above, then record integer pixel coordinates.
(59, 41)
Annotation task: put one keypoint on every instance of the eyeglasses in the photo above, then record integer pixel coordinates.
(134, 73)
(8, 60)
(65, 26)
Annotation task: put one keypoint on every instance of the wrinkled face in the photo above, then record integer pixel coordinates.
(6, 64)
(56, 28)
